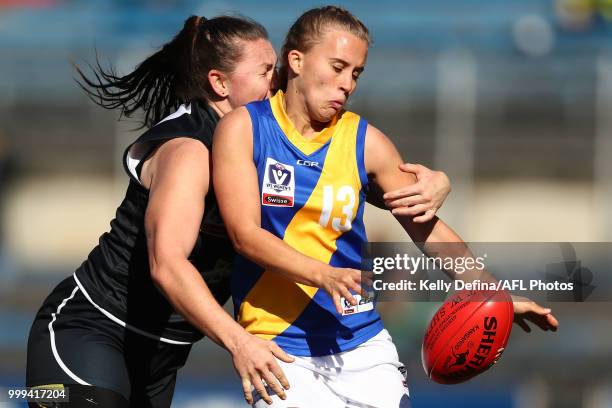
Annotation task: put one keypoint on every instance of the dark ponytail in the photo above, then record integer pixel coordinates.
(177, 73)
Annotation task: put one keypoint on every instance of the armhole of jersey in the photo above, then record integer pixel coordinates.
(361, 135)
(135, 157)
(139, 152)
(256, 142)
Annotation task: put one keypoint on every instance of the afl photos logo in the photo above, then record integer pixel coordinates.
(278, 187)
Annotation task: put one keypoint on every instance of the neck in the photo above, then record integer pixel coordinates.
(297, 111)
(221, 107)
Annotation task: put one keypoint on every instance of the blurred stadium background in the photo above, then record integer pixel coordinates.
(513, 99)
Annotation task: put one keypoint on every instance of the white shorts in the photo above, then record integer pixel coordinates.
(370, 375)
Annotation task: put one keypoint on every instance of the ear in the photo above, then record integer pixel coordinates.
(295, 60)
(218, 82)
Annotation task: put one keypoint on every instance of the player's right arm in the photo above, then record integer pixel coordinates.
(177, 176)
(382, 159)
(420, 200)
(237, 189)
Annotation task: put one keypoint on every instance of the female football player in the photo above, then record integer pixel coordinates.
(291, 176)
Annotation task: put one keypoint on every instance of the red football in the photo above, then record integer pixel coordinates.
(467, 335)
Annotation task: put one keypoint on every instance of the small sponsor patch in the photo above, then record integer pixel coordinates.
(275, 199)
(278, 187)
(364, 304)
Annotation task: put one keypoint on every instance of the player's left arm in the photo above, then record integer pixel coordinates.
(381, 161)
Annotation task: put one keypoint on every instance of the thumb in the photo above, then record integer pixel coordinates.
(410, 168)
(280, 354)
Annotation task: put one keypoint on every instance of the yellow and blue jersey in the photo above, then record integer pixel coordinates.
(312, 197)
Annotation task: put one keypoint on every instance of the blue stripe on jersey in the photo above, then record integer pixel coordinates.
(361, 133)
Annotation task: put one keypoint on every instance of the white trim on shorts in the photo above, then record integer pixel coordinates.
(124, 324)
(53, 345)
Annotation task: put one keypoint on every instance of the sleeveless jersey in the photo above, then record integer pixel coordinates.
(312, 197)
(116, 277)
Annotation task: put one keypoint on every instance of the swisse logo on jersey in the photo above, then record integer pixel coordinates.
(278, 187)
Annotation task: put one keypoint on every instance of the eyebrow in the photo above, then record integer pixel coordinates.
(345, 63)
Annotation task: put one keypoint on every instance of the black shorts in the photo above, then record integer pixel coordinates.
(73, 343)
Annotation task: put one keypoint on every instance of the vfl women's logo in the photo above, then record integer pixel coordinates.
(278, 187)
(279, 177)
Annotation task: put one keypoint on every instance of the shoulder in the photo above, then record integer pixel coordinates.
(183, 146)
(180, 155)
(382, 160)
(182, 152)
(190, 120)
(236, 125)
(380, 152)
(376, 142)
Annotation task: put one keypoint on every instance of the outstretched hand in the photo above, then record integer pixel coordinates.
(527, 310)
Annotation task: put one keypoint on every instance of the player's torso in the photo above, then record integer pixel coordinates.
(312, 196)
(116, 274)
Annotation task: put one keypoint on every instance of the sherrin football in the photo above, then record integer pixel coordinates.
(467, 335)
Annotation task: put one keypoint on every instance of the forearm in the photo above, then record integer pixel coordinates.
(434, 237)
(276, 256)
(437, 239)
(185, 289)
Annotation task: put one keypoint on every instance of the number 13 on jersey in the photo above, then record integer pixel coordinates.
(344, 196)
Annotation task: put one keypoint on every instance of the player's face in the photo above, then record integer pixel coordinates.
(252, 76)
(329, 73)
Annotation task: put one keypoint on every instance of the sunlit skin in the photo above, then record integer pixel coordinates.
(323, 79)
